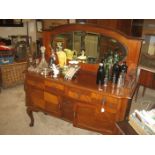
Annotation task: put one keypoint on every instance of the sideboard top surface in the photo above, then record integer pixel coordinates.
(88, 83)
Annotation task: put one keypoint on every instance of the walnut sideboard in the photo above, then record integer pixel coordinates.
(78, 101)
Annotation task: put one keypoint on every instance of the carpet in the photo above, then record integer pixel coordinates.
(15, 121)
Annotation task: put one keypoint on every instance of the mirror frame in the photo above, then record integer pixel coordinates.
(132, 44)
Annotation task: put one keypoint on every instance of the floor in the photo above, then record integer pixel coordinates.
(147, 102)
(15, 121)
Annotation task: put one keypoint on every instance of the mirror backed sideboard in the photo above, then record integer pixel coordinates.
(79, 101)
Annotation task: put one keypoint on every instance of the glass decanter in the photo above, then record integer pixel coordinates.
(43, 64)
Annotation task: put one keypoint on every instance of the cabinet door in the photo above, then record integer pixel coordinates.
(52, 103)
(34, 87)
(35, 97)
(68, 109)
(91, 117)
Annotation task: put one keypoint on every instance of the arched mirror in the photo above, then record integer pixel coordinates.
(97, 47)
(92, 43)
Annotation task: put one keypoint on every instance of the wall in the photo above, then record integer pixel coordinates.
(8, 31)
(149, 26)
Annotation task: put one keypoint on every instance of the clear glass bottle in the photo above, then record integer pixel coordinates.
(43, 64)
(120, 82)
(114, 79)
(106, 81)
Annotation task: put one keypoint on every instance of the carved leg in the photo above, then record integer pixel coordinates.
(144, 88)
(30, 113)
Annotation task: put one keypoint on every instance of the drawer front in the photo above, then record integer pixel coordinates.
(111, 104)
(56, 87)
(97, 96)
(35, 82)
(79, 94)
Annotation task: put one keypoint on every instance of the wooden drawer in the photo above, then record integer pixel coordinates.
(35, 82)
(79, 94)
(53, 86)
(96, 96)
(112, 104)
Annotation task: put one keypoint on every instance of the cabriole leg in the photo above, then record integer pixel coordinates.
(30, 113)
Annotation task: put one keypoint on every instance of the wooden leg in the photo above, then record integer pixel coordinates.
(144, 88)
(137, 90)
(30, 113)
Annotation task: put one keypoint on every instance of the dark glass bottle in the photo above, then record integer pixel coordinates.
(100, 75)
(124, 67)
(116, 71)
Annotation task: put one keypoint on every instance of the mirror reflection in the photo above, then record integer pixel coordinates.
(88, 47)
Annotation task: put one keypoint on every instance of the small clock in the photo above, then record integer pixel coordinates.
(39, 25)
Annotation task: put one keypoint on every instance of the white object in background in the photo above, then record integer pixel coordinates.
(72, 21)
(55, 71)
(73, 62)
(71, 72)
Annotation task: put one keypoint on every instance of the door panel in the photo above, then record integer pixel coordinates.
(36, 97)
(52, 102)
(68, 109)
(91, 117)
